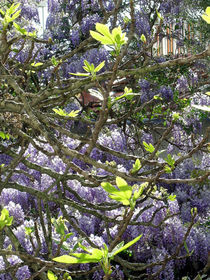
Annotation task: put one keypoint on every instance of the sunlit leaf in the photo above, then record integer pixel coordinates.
(167, 169)
(120, 182)
(116, 248)
(51, 275)
(136, 166)
(104, 40)
(74, 113)
(100, 66)
(80, 74)
(18, 28)
(60, 112)
(148, 147)
(36, 64)
(170, 160)
(121, 199)
(66, 259)
(103, 29)
(127, 245)
(139, 192)
(108, 187)
(143, 38)
(172, 197)
(206, 15)
(2, 135)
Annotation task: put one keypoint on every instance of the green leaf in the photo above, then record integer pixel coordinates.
(186, 248)
(88, 66)
(125, 190)
(66, 259)
(136, 167)
(13, 8)
(2, 135)
(60, 225)
(74, 113)
(80, 74)
(85, 68)
(18, 28)
(29, 230)
(54, 61)
(172, 197)
(167, 169)
(126, 20)
(95, 256)
(60, 112)
(118, 36)
(159, 15)
(51, 275)
(2, 12)
(138, 193)
(175, 116)
(106, 249)
(36, 64)
(16, 15)
(5, 219)
(121, 199)
(103, 29)
(121, 183)
(148, 147)
(127, 245)
(100, 66)
(32, 34)
(206, 15)
(143, 38)
(86, 249)
(156, 97)
(122, 195)
(108, 187)
(116, 248)
(170, 160)
(92, 68)
(104, 40)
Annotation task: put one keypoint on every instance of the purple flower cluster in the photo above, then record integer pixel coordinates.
(23, 273)
(142, 24)
(147, 90)
(166, 93)
(88, 23)
(16, 211)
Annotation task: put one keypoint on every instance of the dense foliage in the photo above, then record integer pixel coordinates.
(104, 144)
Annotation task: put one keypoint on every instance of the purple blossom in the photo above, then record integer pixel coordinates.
(168, 272)
(75, 37)
(182, 84)
(17, 197)
(88, 23)
(166, 93)
(23, 273)
(147, 137)
(142, 24)
(145, 85)
(16, 211)
(53, 6)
